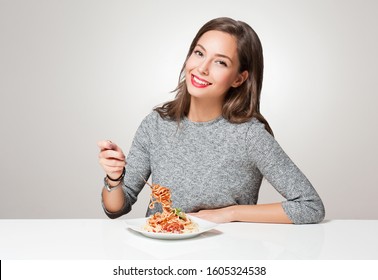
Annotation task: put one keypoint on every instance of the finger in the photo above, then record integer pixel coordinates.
(113, 170)
(105, 145)
(114, 163)
(112, 166)
(108, 145)
(112, 154)
(115, 147)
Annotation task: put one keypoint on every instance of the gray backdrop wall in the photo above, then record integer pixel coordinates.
(75, 72)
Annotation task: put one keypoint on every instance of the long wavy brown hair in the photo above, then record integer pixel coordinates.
(242, 103)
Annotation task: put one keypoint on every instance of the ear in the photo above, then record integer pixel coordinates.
(240, 79)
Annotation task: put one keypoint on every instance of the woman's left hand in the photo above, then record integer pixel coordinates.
(221, 215)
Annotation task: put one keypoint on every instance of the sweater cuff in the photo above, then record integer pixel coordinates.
(304, 212)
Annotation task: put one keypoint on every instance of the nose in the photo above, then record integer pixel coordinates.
(203, 68)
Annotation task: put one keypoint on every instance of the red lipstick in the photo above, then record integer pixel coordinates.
(198, 82)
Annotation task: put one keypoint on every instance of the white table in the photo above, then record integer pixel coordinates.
(101, 239)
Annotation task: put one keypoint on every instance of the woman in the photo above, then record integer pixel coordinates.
(210, 145)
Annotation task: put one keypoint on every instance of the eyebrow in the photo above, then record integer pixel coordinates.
(217, 54)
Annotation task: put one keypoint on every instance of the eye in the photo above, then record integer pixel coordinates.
(222, 62)
(198, 53)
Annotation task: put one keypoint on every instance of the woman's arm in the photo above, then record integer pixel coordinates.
(260, 213)
(112, 160)
(303, 204)
(120, 200)
(113, 201)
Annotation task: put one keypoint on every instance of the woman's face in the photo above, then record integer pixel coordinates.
(213, 66)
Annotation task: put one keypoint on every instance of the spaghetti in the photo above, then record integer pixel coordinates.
(171, 220)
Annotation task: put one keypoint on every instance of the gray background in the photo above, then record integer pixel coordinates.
(75, 72)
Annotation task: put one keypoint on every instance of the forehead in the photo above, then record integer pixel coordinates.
(219, 42)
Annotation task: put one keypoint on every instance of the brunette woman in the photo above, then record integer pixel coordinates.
(211, 145)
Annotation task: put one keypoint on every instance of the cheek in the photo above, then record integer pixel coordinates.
(226, 79)
(190, 64)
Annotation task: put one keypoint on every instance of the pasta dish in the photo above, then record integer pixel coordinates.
(171, 220)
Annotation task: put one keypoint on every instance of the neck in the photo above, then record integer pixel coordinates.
(204, 110)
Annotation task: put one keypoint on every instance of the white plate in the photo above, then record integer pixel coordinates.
(138, 224)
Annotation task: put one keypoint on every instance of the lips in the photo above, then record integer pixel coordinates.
(198, 82)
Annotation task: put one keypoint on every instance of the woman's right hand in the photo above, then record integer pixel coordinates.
(111, 158)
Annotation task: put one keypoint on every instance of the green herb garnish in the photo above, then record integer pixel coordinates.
(178, 212)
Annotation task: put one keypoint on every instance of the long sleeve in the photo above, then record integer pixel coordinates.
(303, 204)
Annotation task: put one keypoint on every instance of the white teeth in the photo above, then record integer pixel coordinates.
(200, 82)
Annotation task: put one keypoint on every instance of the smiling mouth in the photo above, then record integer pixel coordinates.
(200, 83)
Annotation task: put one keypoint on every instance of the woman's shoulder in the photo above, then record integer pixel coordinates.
(151, 117)
(253, 126)
(250, 130)
(148, 126)
(256, 130)
(155, 117)
(254, 122)
(154, 121)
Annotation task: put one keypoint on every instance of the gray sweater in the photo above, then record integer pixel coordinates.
(215, 164)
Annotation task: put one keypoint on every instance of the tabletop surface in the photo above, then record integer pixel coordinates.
(101, 239)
